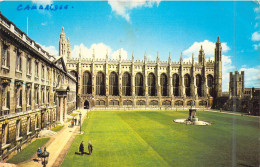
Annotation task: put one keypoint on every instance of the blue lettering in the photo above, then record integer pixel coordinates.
(20, 7)
(33, 7)
(41, 7)
(47, 7)
(27, 7)
(53, 7)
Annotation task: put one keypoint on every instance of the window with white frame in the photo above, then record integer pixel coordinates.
(36, 95)
(5, 55)
(36, 122)
(28, 125)
(18, 60)
(43, 96)
(4, 134)
(36, 69)
(19, 96)
(18, 129)
(43, 72)
(5, 95)
(48, 74)
(28, 96)
(29, 66)
(48, 96)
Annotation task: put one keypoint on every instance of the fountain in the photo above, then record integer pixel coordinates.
(192, 118)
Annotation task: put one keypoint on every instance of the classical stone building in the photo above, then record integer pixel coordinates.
(134, 83)
(36, 90)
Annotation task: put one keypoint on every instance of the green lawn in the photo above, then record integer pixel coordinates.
(74, 114)
(151, 138)
(57, 128)
(28, 152)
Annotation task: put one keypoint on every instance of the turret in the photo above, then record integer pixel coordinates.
(218, 70)
(192, 59)
(201, 56)
(169, 59)
(93, 55)
(133, 57)
(157, 58)
(145, 58)
(181, 61)
(68, 49)
(63, 45)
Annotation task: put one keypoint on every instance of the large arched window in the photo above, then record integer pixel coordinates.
(210, 84)
(199, 85)
(175, 83)
(139, 87)
(100, 84)
(151, 85)
(187, 82)
(87, 83)
(163, 82)
(126, 84)
(113, 84)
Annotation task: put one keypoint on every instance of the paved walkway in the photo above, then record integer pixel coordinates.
(232, 113)
(59, 145)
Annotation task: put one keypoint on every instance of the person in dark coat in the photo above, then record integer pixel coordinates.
(90, 148)
(81, 148)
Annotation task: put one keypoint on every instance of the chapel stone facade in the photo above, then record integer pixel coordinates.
(104, 83)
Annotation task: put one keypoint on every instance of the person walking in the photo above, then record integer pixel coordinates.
(90, 148)
(39, 152)
(72, 123)
(75, 121)
(81, 148)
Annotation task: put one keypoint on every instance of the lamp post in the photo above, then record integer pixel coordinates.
(80, 122)
(45, 157)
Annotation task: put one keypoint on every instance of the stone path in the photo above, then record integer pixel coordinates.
(231, 113)
(59, 146)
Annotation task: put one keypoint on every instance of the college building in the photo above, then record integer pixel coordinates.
(241, 99)
(120, 83)
(36, 89)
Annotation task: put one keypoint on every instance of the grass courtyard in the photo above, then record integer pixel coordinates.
(151, 138)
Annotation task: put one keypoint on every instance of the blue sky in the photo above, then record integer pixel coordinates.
(151, 26)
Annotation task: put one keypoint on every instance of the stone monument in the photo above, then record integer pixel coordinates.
(192, 113)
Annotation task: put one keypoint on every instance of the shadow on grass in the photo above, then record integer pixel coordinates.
(36, 160)
(78, 153)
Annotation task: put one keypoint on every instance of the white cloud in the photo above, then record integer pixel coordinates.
(208, 47)
(257, 10)
(122, 52)
(209, 50)
(256, 36)
(227, 67)
(100, 50)
(50, 49)
(41, 2)
(122, 7)
(256, 46)
(44, 23)
(252, 76)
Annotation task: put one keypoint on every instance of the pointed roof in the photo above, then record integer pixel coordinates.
(62, 34)
(59, 62)
(218, 41)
